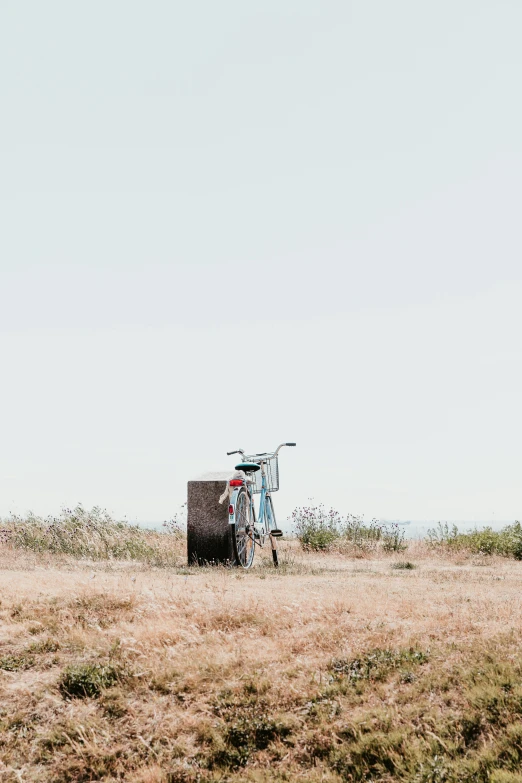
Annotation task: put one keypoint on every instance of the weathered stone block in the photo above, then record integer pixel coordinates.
(208, 535)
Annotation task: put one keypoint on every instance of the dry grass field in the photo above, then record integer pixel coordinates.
(329, 669)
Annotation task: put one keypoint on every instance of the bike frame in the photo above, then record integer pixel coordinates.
(262, 517)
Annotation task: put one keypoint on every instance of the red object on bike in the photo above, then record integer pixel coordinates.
(231, 510)
(236, 482)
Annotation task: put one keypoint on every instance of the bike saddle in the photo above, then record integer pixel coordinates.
(248, 467)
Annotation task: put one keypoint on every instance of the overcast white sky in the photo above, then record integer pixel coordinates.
(231, 224)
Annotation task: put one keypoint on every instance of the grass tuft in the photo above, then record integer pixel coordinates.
(88, 680)
(16, 663)
(376, 664)
(44, 646)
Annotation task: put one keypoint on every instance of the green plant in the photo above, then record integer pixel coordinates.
(375, 664)
(44, 646)
(393, 538)
(362, 535)
(246, 726)
(442, 534)
(512, 540)
(88, 679)
(403, 565)
(316, 528)
(15, 663)
(506, 542)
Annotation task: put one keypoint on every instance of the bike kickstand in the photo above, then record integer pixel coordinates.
(274, 551)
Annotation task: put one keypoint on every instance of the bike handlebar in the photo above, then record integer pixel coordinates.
(240, 451)
(281, 446)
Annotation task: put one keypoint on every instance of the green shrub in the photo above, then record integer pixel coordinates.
(88, 679)
(318, 529)
(506, 542)
(393, 538)
(360, 534)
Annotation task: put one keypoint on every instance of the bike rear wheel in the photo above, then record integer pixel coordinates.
(242, 531)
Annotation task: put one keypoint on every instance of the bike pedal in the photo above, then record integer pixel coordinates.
(276, 533)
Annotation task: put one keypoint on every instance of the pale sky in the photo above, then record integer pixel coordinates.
(234, 224)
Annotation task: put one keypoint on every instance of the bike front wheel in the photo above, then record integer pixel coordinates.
(242, 531)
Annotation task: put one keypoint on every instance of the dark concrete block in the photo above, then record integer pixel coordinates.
(208, 534)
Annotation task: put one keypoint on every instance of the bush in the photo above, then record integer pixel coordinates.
(315, 527)
(486, 541)
(393, 538)
(360, 534)
(318, 529)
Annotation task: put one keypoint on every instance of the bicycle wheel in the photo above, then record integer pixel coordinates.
(242, 531)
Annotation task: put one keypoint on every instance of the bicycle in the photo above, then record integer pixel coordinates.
(261, 477)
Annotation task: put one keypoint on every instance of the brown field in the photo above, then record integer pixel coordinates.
(330, 669)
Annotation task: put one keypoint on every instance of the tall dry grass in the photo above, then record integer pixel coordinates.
(330, 669)
(93, 534)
